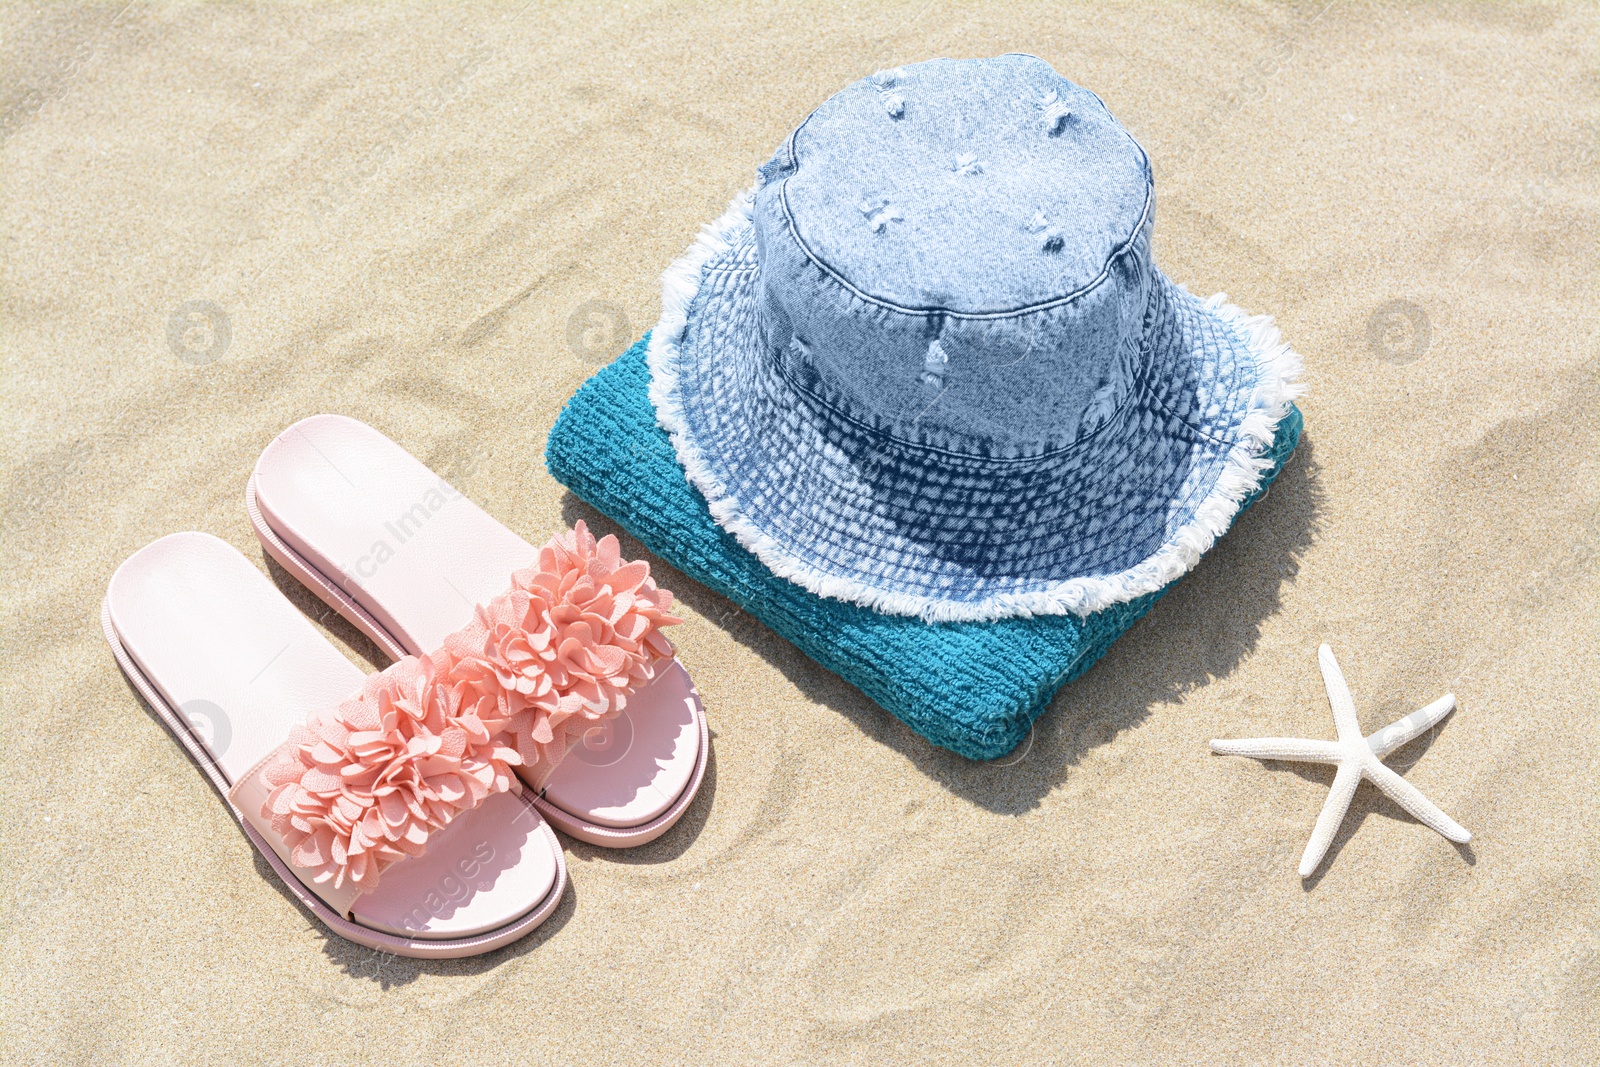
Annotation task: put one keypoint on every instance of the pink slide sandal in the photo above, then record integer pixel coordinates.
(386, 803)
(396, 550)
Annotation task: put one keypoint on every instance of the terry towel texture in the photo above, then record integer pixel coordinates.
(972, 687)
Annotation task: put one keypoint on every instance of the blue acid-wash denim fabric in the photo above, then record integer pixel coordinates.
(938, 360)
(971, 687)
(972, 218)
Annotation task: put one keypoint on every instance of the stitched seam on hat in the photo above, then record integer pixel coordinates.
(977, 457)
(733, 269)
(1141, 381)
(1054, 302)
(1155, 398)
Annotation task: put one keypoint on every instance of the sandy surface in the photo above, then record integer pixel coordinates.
(441, 222)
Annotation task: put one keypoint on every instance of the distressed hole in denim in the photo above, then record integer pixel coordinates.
(934, 363)
(885, 80)
(1051, 238)
(1055, 118)
(879, 213)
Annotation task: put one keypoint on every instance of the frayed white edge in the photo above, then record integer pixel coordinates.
(1278, 367)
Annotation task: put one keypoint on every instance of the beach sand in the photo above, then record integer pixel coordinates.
(218, 220)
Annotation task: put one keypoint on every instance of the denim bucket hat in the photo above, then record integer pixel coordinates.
(926, 364)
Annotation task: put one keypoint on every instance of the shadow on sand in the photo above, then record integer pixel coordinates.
(1195, 635)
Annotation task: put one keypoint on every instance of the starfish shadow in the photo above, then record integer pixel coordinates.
(1198, 633)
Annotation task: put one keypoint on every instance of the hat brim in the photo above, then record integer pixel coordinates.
(850, 512)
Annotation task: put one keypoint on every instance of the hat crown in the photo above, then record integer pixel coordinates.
(957, 253)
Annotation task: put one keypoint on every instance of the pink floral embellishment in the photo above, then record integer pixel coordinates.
(362, 786)
(563, 649)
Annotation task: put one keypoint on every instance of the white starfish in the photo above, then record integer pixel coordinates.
(1357, 757)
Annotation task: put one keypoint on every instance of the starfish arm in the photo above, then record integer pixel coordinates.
(1412, 726)
(1344, 706)
(1410, 797)
(1299, 749)
(1344, 787)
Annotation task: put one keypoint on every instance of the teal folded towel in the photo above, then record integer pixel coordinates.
(972, 687)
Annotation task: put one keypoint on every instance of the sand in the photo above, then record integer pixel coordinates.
(219, 220)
